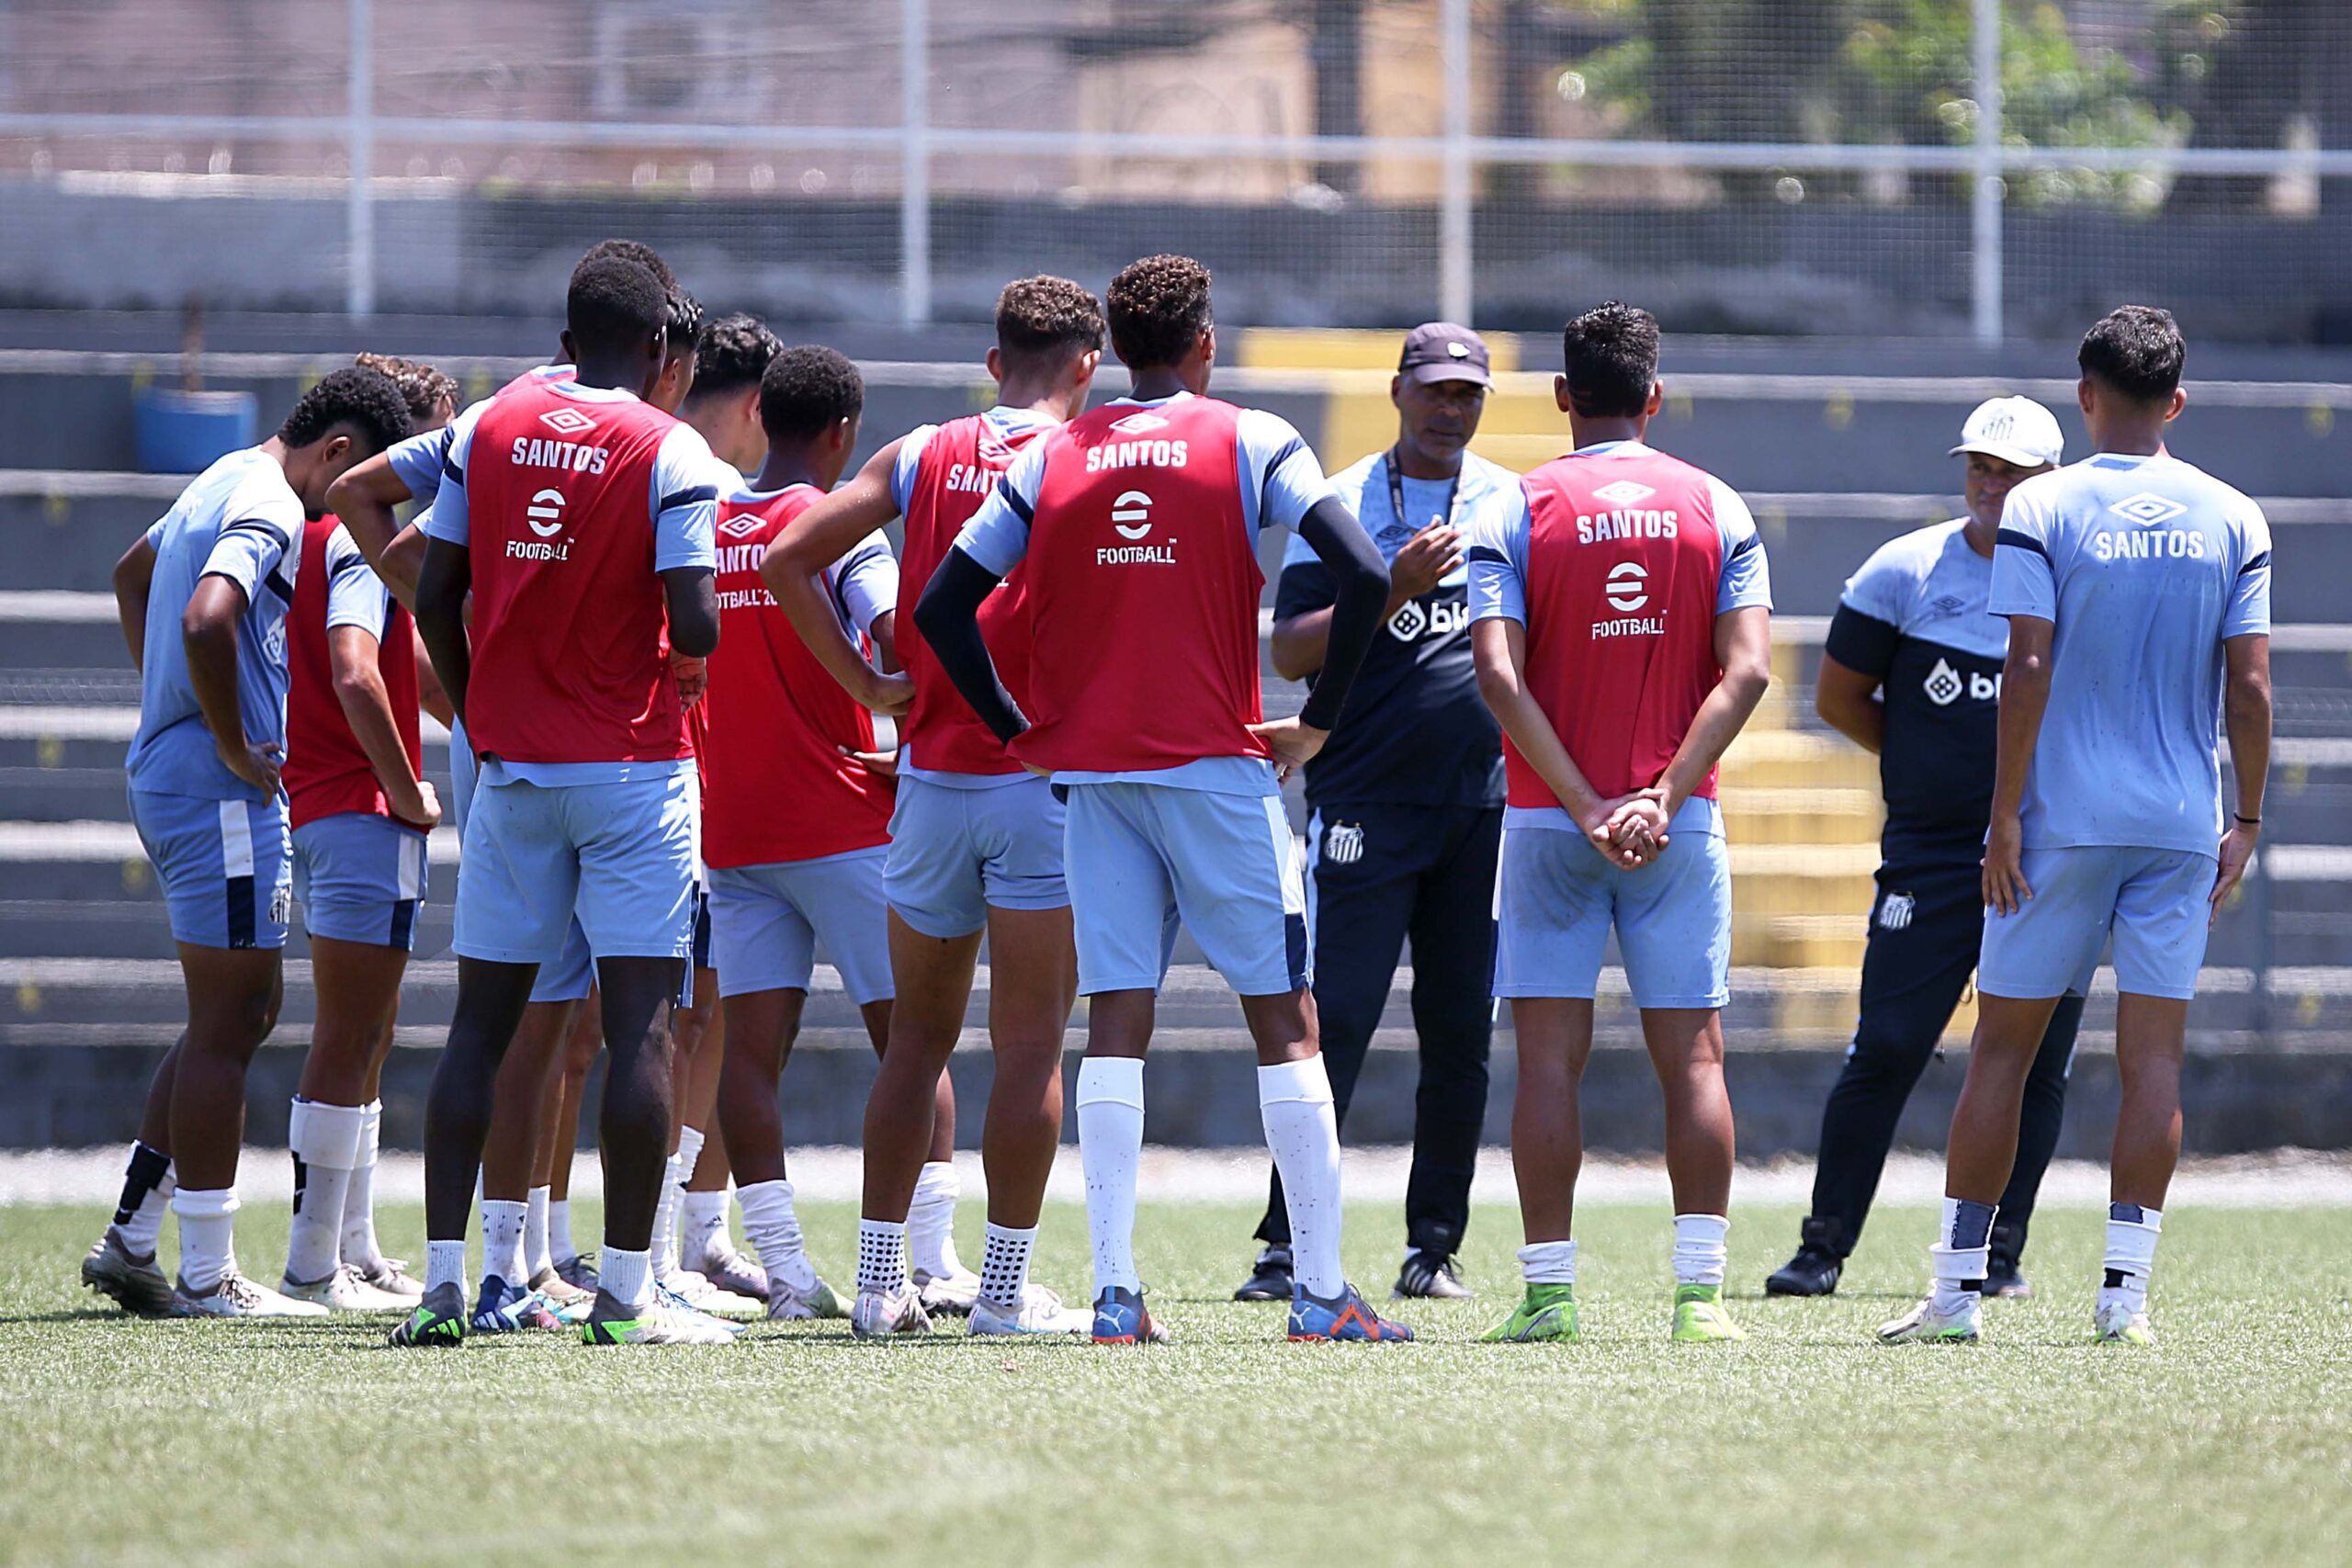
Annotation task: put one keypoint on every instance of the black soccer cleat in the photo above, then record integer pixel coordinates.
(1815, 1269)
(1270, 1281)
(2001, 1276)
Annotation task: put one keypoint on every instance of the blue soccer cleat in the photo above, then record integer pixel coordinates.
(1120, 1318)
(1343, 1316)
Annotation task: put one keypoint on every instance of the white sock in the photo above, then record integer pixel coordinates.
(673, 1192)
(208, 1236)
(1294, 1102)
(147, 1188)
(535, 1234)
(931, 1221)
(1004, 1265)
(702, 1225)
(627, 1277)
(560, 1246)
(775, 1230)
(1699, 1250)
(2132, 1233)
(502, 1239)
(881, 1253)
(1549, 1262)
(1110, 1147)
(360, 1245)
(445, 1264)
(326, 1140)
(1961, 1253)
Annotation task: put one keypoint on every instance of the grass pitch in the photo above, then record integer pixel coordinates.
(204, 1443)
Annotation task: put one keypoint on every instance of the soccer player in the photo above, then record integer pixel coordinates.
(1407, 800)
(1139, 522)
(581, 522)
(360, 810)
(1912, 673)
(203, 596)
(774, 727)
(975, 839)
(1621, 618)
(2137, 589)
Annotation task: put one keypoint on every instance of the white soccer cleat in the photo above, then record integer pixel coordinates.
(1040, 1312)
(880, 1315)
(731, 1271)
(1924, 1324)
(391, 1275)
(656, 1322)
(952, 1294)
(2116, 1324)
(788, 1302)
(236, 1296)
(344, 1289)
(699, 1293)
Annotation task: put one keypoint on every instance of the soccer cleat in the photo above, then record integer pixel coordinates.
(879, 1315)
(610, 1321)
(1040, 1312)
(1700, 1318)
(2003, 1281)
(1924, 1324)
(788, 1302)
(559, 1292)
(1547, 1313)
(1271, 1278)
(236, 1296)
(1346, 1316)
(1121, 1318)
(950, 1293)
(439, 1320)
(730, 1270)
(135, 1284)
(580, 1273)
(677, 1306)
(1815, 1270)
(699, 1294)
(391, 1275)
(1431, 1275)
(502, 1308)
(343, 1290)
(2116, 1324)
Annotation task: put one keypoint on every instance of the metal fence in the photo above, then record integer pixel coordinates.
(1923, 166)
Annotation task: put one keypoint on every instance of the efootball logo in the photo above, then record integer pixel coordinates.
(2148, 510)
(1139, 423)
(1628, 584)
(545, 513)
(567, 422)
(1131, 514)
(1624, 493)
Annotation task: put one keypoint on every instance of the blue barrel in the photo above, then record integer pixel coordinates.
(183, 432)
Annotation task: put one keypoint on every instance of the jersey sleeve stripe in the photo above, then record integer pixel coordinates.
(1016, 500)
(449, 469)
(2011, 536)
(1745, 545)
(1486, 553)
(2261, 561)
(692, 495)
(279, 585)
(260, 526)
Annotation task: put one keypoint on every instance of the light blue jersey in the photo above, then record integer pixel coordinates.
(1280, 480)
(241, 519)
(2145, 565)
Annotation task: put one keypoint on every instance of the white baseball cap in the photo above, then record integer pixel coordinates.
(2015, 430)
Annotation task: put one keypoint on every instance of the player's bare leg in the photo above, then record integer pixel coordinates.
(559, 1142)
(2151, 1036)
(121, 1265)
(933, 976)
(359, 987)
(762, 1027)
(233, 1000)
(518, 1113)
(1033, 981)
(1686, 1047)
(1554, 1036)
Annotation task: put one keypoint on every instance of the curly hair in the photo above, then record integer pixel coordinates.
(614, 302)
(1046, 319)
(1159, 309)
(807, 388)
(732, 353)
(368, 400)
(636, 251)
(1610, 356)
(2137, 350)
(423, 388)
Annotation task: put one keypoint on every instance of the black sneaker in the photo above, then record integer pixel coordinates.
(1815, 1269)
(1272, 1281)
(1430, 1274)
(2001, 1276)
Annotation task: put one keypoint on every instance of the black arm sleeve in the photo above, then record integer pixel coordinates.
(948, 616)
(1863, 643)
(1360, 585)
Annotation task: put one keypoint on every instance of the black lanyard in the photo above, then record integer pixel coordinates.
(1396, 492)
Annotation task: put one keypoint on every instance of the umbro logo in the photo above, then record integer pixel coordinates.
(2147, 508)
(740, 526)
(1949, 604)
(1139, 423)
(1622, 492)
(567, 422)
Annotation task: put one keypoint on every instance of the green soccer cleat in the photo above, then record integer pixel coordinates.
(1545, 1312)
(1923, 1325)
(2119, 1325)
(439, 1320)
(1700, 1318)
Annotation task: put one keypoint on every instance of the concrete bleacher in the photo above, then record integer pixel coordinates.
(89, 992)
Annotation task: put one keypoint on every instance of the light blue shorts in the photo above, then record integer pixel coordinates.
(956, 853)
(227, 866)
(1557, 898)
(619, 857)
(1139, 855)
(767, 921)
(2154, 901)
(360, 878)
(572, 974)
(461, 777)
